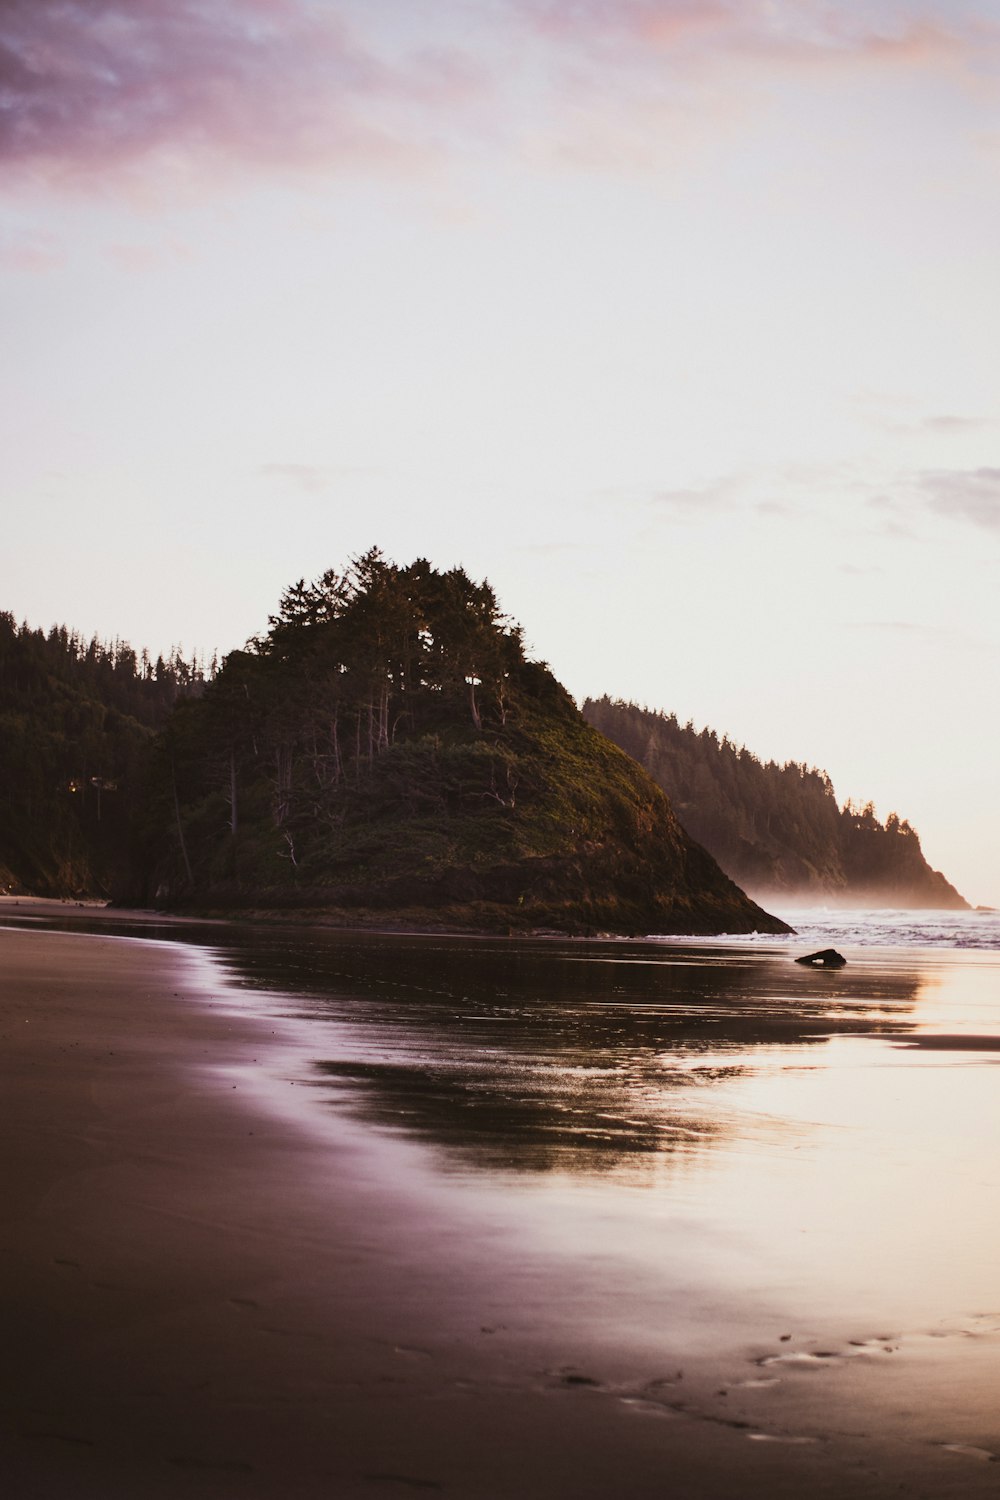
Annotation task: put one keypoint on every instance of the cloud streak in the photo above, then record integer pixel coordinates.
(779, 31)
(93, 85)
(309, 477)
(952, 424)
(34, 253)
(634, 86)
(722, 494)
(970, 494)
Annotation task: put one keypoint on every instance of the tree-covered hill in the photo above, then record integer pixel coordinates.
(386, 751)
(76, 719)
(775, 829)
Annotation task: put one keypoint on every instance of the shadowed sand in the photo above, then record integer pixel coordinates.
(213, 1289)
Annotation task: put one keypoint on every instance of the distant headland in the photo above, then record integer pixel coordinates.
(777, 830)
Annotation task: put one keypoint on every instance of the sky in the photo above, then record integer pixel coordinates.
(678, 320)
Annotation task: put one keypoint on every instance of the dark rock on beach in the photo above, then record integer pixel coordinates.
(826, 958)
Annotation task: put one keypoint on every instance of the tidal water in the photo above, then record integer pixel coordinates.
(891, 928)
(833, 1135)
(794, 1171)
(620, 1058)
(797, 1170)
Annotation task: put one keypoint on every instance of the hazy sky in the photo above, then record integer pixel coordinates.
(679, 320)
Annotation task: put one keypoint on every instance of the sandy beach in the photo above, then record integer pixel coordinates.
(213, 1289)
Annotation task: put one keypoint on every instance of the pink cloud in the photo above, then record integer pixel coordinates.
(783, 30)
(91, 85)
(634, 85)
(843, 43)
(596, 21)
(30, 252)
(142, 258)
(168, 90)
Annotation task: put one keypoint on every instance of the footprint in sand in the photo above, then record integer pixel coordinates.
(801, 1359)
(779, 1437)
(645, 1407)
(967, 1450)
(572, 1377)
(816, 1359)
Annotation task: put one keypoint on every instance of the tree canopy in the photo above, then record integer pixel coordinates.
(386, 744)
(76, 717)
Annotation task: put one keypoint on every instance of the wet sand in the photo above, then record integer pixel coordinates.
(213, 1289)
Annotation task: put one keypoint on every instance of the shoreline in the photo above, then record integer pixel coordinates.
(209, 1298)
(214, 1294)
(216, 1288)
(70, 909)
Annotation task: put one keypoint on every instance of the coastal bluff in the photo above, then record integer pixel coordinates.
(777, 830)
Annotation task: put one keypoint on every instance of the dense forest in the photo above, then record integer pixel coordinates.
(387, 747)
(776, 829)
(76, 720)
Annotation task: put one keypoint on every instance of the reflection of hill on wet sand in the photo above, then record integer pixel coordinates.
(542, 1056)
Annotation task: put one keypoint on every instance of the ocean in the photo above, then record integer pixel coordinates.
(891, 928)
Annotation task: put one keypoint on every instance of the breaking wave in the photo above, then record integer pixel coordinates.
(825, 927)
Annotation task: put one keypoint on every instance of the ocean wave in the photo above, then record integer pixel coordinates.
(826, 926)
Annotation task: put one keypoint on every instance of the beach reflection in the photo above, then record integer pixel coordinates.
(540, 1056)
(709, 1185)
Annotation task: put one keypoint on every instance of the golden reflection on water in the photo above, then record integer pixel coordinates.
(576, 1058)
(787, 1113)
(786, 1180)
(827, 1132)
(884, 1187)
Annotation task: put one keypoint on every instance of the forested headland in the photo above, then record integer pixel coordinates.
(778, 830)
(386, 750)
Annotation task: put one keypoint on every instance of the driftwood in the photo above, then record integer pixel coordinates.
(827, 958)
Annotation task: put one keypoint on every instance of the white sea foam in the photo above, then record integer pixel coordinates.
(825, 927)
